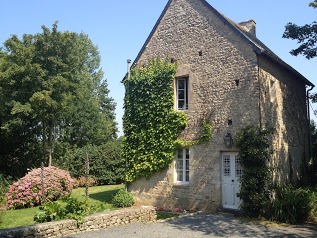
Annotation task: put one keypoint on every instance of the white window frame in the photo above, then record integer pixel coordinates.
(185, 107)
(184, 160)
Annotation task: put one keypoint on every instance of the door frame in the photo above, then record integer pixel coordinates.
(237, 203)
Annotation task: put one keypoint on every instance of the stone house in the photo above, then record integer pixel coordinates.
(230, 78)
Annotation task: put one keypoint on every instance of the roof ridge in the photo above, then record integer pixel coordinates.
(258, 46)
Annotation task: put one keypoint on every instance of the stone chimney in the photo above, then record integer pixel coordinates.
(249, 26)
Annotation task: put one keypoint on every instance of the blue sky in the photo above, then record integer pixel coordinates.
(120, 27)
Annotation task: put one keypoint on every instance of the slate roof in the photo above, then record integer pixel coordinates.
(255, 43)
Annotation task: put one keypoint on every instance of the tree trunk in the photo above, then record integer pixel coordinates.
(44, 141)
(50, 142)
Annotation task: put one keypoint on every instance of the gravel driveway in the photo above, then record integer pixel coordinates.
(201, 226)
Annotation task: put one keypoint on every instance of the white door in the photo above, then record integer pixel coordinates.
(231, 173)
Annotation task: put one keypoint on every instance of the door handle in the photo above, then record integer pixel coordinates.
(232, 180)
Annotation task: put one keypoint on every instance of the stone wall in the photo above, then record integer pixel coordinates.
(283, 107)
(223, 85)
(92, 222)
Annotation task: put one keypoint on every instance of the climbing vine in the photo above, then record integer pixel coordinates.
(150, 124)
(254, 153)
(205, 136)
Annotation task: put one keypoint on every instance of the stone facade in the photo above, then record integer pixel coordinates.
(92, 222)
(283, 107)
(228, 80)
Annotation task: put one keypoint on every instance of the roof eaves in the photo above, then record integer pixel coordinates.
(279, 61)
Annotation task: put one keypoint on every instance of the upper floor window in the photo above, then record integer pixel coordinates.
(182, 93)
(182, 165)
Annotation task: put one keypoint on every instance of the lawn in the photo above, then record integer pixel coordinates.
(97, 195)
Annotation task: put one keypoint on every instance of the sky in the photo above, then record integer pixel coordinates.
(119, 29)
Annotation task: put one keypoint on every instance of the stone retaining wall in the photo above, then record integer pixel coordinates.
(92, 222)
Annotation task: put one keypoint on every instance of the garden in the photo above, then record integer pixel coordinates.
(49, 194)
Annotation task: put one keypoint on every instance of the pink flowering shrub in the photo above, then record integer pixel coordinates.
(82, 181)
(27, 191)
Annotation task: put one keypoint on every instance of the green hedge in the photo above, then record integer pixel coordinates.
(293, 205)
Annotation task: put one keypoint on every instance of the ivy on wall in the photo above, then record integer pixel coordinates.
(254, 153)
(150, 124)
(205, 136)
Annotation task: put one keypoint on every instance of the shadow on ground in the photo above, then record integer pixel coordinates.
(227, 225)
(201, 226)
(105, 196)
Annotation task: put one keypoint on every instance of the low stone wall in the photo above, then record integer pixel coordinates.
(92, 222)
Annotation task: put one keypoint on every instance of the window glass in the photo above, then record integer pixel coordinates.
(182, 165)
(182, 93)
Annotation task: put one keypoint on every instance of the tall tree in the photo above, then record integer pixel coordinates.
(52, 89)
(305, 35)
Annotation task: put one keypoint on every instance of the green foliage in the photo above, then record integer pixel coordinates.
(166, 215)
(51, 211)
(4, 186)
(52, 95)
(99, 197)
(305, 35)
(291, 205)
(205, 136)
(313, 4)
(150, 124)
(74, 209)
(77, 210)
(313, 204)
(206, 133)
(253, 145)
(123, 199)
(105, 163)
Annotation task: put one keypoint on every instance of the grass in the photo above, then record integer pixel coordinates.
(98, 195)
(166, 215)
(21, 217)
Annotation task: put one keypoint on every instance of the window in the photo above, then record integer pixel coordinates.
(238, 166)
(182, 165)
(226, 166)
(182, 93)
(272, 91)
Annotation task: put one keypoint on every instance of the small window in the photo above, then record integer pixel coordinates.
(182, 165)
(182, 93)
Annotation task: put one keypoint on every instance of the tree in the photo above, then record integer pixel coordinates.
(52, 93)
(105, 163)
(305, 35)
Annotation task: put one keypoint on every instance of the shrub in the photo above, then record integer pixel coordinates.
(77, 210)
(291, 205)
(123, 199)
(254, 152)
(27, 191)
(73, 209)
(75, 183)
(313, 205)
(51, 211)
(82, 181)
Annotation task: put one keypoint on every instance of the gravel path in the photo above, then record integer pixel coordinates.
(201, 226)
